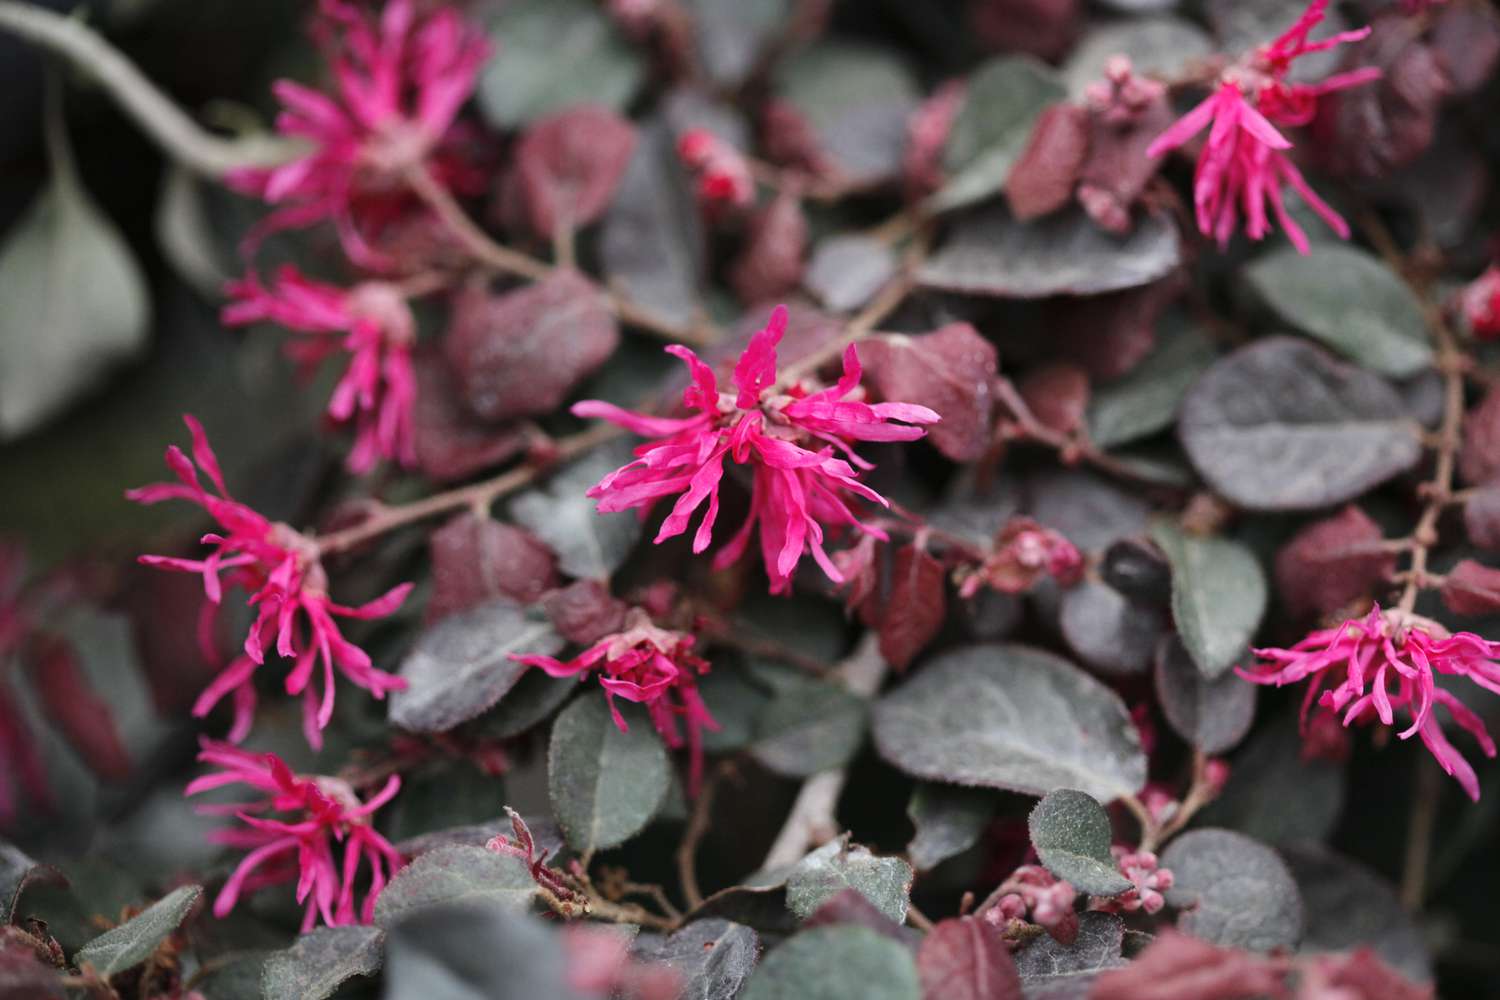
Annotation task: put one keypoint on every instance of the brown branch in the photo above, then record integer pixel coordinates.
(692, 836)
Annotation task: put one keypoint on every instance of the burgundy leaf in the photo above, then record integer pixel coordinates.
(1058, 395)
(952, 370)
(1472, 588)
(1179, 967)
(790, 140)
(1358, 975)
(451, 444)
(770, 264)
(1042, 180)
(1331, 563)
(1043, 28)
(850, 906)
(1479, 457)
(476, 559)
(1482, 517)
(1108, 335)
(70, 704)
(568, 166)
(520, 353)
(584, 612)
(915, 607)
(967, 959)
(23, 975)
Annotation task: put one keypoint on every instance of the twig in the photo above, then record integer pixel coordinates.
(177, 134)
(1070, 448)
(1427, 793)
(692, 836)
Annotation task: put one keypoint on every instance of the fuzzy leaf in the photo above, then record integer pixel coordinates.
(605, 785)
(589, 545)
(475, 560)
(839, 865)
(1262, 424)
(1108, 631)
(809, 726)
(1234, 891)
(1218, 595)
(568, 166)
(1051, 970)
(475, 951)
(1071, 834)
(847, 270)
(1043, 178)
(1471, 588)
(1005, 98)
(732, 35)
(991, 254)
(952, 370)
(714, 957)
(948, 820)
(967, 959)
(550, 54)
(1347, 905)
(134, 941)
(1331, 563)
(17, 871)
(1212, 715)
(913, 611)
(459, 875)
(1011, 717)
(1347, 299)
(320, 961)
(1146, 399)
(824, 963)
(1088, 510)
(460, 667)
(1274, 794)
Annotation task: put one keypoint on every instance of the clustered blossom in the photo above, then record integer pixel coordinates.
(399, 85)
(1023, 552)
(1048, 899)
(1122, 96)
(1479, 303)
(654, 667)
(1243, 163)
(315, 816)
(723, 176)
(280, 569)
(1148, 878)
(787, 439)
(1353, 666)
(378, 390)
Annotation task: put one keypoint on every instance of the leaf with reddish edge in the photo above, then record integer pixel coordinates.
(914, 610)
(952, 370)
(1051, 970)
(569, 165)
(1471, 588)
(1479, 456)
(521, 353)
(476, 559)
(70, 703)
(1057, 395)
(967, 959)
(770, 263)
(838, 865)
(450, 443)
(1041, 181)
(1332, 562)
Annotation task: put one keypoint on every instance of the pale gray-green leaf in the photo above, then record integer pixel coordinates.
(836, 963)
(1276, 796)
(605, 785)
(714, 957)
(839, 865)
(1071, 834)
(948, 821)
(589, 545)
(809, 726)
(1146, 399)
(134, 941)
(1233, 891)
(1218, 595)
(446, 876)
(732, 35)
(1212, 715)
(847, 270)
(1348, 906)
(320, 961)
(1051, 970)
(1012, 717)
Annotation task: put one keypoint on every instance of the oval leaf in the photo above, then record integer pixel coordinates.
(134, 941)
(839, 865)
(1011, 717)
(1212, 715)
(967, 959)
(1348, 906)
(1071, 834)
(1233, 891)
(321, 960)
(809, 726)
(948, 819)
(1218, 595)
(1146, 400)
(1052, 970)
(589, 545)
(445, 876)
(605, 784)
(714, 957)
(830, 963)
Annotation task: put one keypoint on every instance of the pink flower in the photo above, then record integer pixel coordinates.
(1362, 658)
(400, 83)
(280, 570)
(1480, 304)
(1023, 552)
(795, 490)
(1149, 881)
(378, 390)
(654, 667)
(724, 180)
(317, 815)
(1049, 900)
(1243, 163)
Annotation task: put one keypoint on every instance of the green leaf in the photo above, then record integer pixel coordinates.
(17, 871)
(1012, 717)
(134, 941)
(733, 34)
(1005, 97)
(1146, 400)
(320, 961)
(605, 785)
(737, 703)
(839, 865)
(1348, 906)
(836, 963)
(534, 697)
(73, 300)
(1071, 834)
(809, 726)
(589, 545)
(462, 666)
(1218, 595)
(1350, 301)
(1276, 796)
(1055, 971)
(1234, 891)
(714, 957)
(948, 820)
(475, 952)
(857, 98)
(445, 876)
(1212, 715)
(553, 53)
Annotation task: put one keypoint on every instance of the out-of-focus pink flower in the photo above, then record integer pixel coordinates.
(1362, 657)
(600, 965)
(1216, 771)
(1480, 304)
(280, 569)
(926, 134)
(796, 491)
(1033, 890)
(723, 175)
(1023, 552)
(1243, 163)
(1148, 879)
(1122, 96)
(399, 84)
(317, 815)
(378, 390)
(654, 667)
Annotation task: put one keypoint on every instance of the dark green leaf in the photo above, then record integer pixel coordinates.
(462, 666)
(736, 702)
(836, 963)
(948, 820)
(848, 269)
(1276, 796)
(1347, 905)
(1071, 834)
(449, 794)
(447, 876)
(1108, 631)
(1051, 970)
(714, 957)
(857, 99)
(1146, 400)
(809, 726)
(839, 865)
(1282, 425)
(733, 34)
(134, 941)
(318, 962)
(1346, 298)
(1233, 891)
(534, 697)
(605, 785)
(475, 952)
(17, 871)
(1212, 715)
(1012, 717)
(588, 544)
(1218, 595)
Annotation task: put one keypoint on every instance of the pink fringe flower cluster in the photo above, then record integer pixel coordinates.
(653, 667)
(316, 816)
(1032, 889)
(288, 590)
(1149, 881)
(789, 441)
(1023, 552)
(1372, 667)
(371, 323)
(723, 177)
(399, 84)
(1243, 164)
